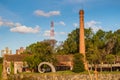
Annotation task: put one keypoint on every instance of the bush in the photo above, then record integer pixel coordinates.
(78, 63)
(1, 60)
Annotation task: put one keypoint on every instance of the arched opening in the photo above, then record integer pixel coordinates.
(46, 67)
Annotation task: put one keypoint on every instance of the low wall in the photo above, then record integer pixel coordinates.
(64, 77)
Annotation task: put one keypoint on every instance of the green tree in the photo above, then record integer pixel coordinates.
(110, 58)
(1, 60)
(98, 45)
(95, 48)
(70, 45)
(116, 48)
(11, 68)
(40, 51)
(78, 63)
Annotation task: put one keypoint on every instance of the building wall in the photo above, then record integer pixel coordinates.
(17, 66)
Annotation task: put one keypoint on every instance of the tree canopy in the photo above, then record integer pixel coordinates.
(40, 52)
(98, 44)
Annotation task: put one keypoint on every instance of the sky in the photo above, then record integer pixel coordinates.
(23, 22)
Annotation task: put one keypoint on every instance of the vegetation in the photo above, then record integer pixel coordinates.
(11, 68)
(78, 63)
(101, 47)
(0, 71)
(40, 52)
(109, 42)
(71, 44)
(1, 61)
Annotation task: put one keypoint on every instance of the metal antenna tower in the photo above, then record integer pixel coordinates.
(52, 30)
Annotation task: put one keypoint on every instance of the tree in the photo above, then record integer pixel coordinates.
(98, 45)
(78, 63)
(40, 51)
(40, 48)
(70, 45)
(1, 60)
(116, 48)
(95, 48)
(110, 58)
(11, 68)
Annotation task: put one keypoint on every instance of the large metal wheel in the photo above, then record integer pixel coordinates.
(46, 63)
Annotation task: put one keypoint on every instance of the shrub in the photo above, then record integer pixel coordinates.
(78, 63)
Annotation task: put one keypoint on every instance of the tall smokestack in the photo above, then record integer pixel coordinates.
(81, 38)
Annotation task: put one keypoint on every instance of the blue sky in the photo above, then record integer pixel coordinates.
(23, 22)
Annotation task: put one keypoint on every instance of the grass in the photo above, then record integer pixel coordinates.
(68, 72)
(0, 70)
(51, 73)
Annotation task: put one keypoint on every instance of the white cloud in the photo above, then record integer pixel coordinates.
(25, 29)
(46, 14)
(94, 25)
(10, 24)
(61, 23)
(46, 33)
(75, 25)
(1, 21)
(62, 33)
(17, 24)
(17, 27)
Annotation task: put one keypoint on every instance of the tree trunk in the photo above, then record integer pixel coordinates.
(111, 67)
(96, 73)
(91, 66)
(101, 66)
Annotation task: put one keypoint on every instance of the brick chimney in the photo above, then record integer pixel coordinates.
(17, 51)
(82, 38)
(21, 50)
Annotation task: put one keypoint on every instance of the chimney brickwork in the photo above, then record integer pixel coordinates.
(82, 38)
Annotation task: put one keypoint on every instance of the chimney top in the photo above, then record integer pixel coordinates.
(81, 12)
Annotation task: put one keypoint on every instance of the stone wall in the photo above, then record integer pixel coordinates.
(64, 77)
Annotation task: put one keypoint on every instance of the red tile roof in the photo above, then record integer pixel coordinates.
(15, 57)
(64, 58)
